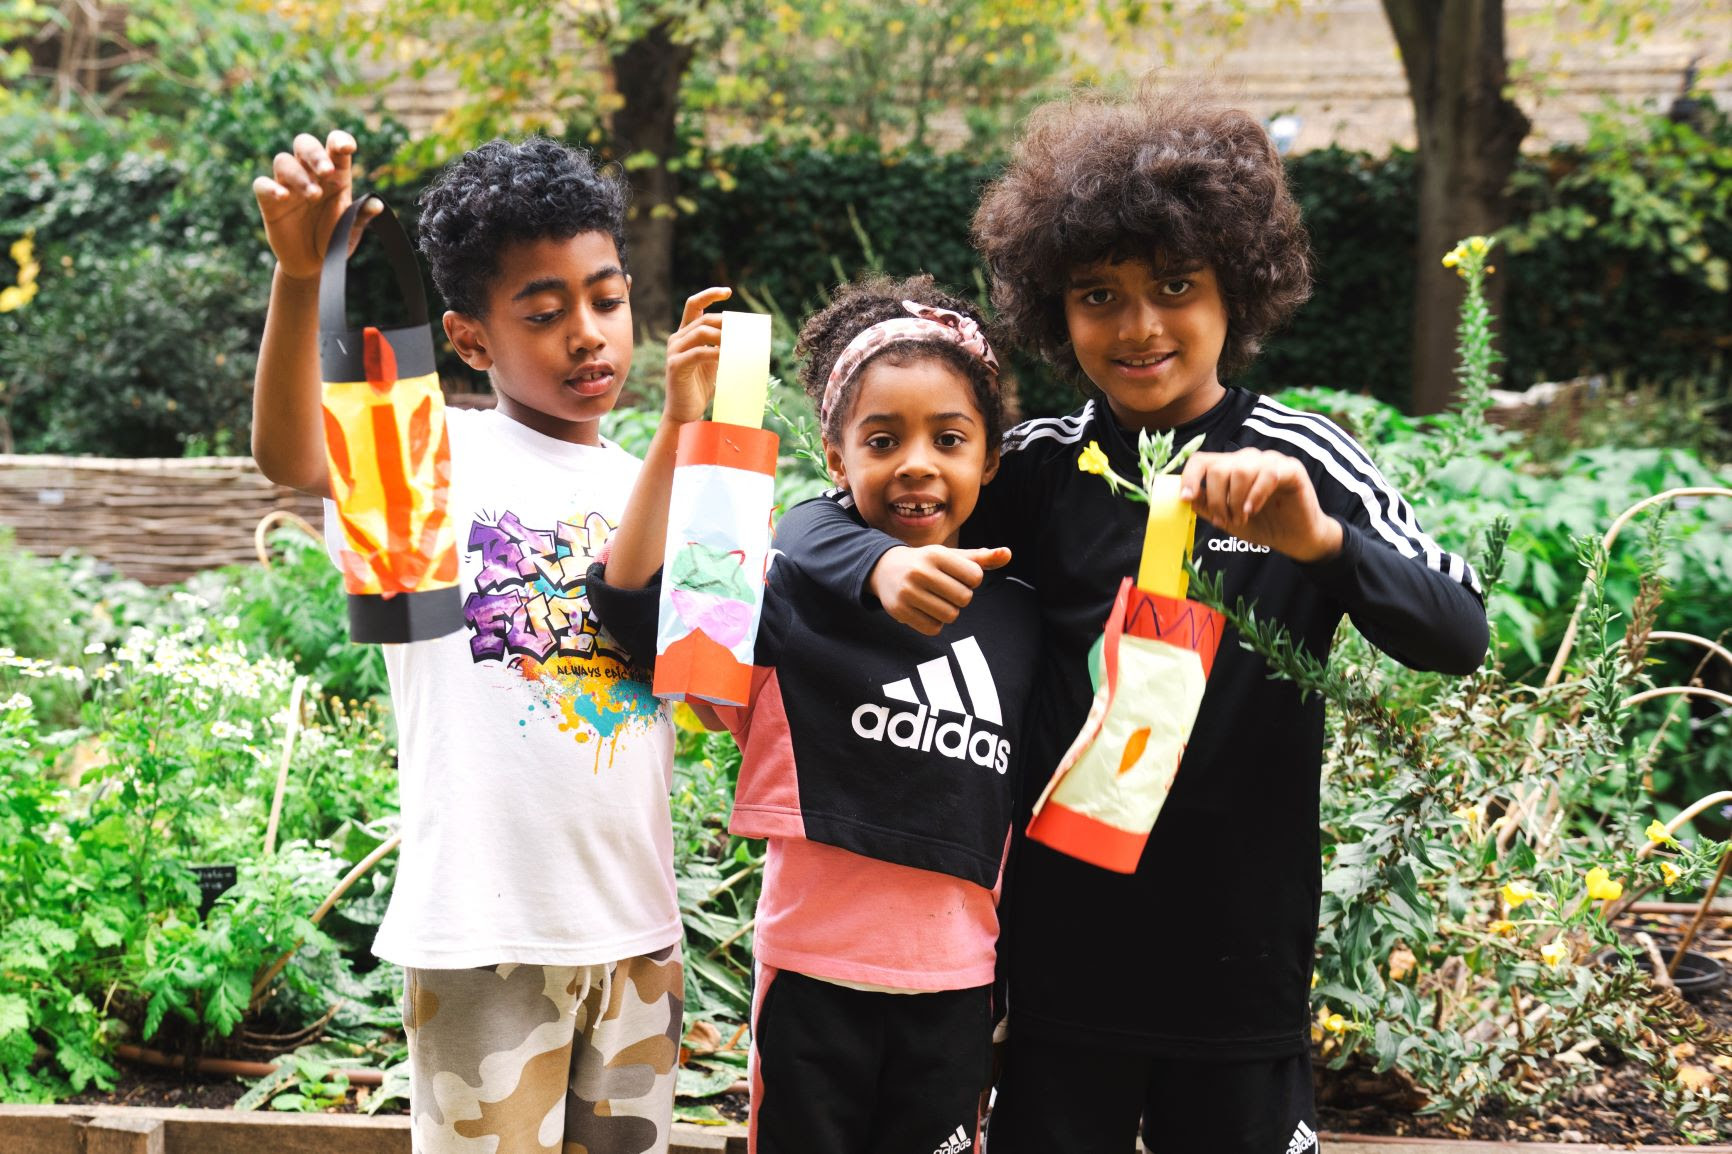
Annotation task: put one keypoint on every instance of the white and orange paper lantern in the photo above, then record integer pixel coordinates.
(718, 543)
(1149, 670)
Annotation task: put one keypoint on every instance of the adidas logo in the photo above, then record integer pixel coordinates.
(924, 727)
(955, 1144)
(1303, 1139)
(1234, 545)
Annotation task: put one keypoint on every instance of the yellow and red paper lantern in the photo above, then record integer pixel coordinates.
(388, 453)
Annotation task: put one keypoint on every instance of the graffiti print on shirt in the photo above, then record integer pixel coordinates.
(530, 612)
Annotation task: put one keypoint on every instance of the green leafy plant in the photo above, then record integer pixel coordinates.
(1480, 833)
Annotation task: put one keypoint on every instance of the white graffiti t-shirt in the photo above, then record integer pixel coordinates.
(534, 769)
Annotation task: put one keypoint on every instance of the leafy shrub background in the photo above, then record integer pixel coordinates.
(143, 336)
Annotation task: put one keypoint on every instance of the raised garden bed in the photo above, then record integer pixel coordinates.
(122, 1130)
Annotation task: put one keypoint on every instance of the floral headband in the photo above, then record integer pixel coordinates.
(925, 323)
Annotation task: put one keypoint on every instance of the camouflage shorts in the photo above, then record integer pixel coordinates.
(516, 1059)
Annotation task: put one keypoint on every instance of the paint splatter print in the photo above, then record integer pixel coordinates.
(530, 613)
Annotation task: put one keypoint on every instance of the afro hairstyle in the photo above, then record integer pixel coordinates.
(1171, 179)
(503, 193)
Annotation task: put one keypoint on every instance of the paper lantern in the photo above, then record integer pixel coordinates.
(718, 543)
(1149, 669)
(388, 452)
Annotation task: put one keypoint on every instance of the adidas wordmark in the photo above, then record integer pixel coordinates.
(1303, 1139)
(966, 738)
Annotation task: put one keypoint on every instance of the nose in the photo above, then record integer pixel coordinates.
(584, 332)
(916, 460)
(1141, 321)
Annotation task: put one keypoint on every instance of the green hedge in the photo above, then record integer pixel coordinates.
(154, 271)
(1588, 302)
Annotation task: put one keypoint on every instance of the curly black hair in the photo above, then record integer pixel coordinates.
(855, 307)
(504, 192)
(1167, 177)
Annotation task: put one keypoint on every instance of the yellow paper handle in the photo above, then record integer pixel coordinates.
(743, 374)
(1167, 541)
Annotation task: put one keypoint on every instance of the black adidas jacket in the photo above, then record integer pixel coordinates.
(867, 736)
(1206, 951)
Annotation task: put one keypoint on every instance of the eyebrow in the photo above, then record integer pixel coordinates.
(895, 418)
(542, 284)
(1081, 279)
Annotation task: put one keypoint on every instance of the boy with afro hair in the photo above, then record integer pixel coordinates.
(534, 910)
(1145, 247)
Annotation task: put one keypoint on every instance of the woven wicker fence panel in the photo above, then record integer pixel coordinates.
(156, 520)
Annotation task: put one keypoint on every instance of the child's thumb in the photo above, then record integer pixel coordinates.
(990, 558)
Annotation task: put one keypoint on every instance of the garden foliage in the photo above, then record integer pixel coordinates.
(153, 272)
(1479, 832)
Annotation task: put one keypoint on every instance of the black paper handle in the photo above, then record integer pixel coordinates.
(333, 281)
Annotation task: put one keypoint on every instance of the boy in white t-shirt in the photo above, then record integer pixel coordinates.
(534, 910)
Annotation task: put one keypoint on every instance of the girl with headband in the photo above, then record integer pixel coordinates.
(880, 764)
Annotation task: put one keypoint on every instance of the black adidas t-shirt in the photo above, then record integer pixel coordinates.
(906, 747)
(1206, 950)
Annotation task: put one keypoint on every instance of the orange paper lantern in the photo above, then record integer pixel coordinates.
(388, 453)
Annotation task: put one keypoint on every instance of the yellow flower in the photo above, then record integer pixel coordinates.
(1093, 460)
(1517, 892)
(1335, 1024)
(1555, 954)
(1452, 257)
(1656, 833)
(688, 720)
(1477, 245)
(13, 298)
(1503, 927)
(1671, 873)
(1601, 887)
(21, 250)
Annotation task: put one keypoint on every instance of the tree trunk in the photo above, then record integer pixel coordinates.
(1470, 134)
(647, 74)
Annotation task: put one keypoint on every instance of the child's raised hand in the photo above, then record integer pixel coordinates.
(693, 352)
(926, 587)
(1262, 497)
(301, 200)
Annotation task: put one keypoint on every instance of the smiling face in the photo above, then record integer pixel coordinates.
(557, 335)
(1149, 338)
(913, 450)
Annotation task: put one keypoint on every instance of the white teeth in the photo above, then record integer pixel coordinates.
(1145, 361)
(921, 510)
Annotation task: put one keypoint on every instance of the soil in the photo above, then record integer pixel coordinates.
(1617, 1109)
(144, 1086)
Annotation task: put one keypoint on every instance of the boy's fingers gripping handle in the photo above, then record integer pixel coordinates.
(333, 286)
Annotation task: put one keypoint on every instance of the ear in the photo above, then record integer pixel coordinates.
(833, 462)
(989, 469)
(469, 338)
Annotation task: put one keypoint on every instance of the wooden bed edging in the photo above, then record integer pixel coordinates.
(140, 1130)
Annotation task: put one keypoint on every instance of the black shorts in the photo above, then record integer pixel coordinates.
(1085, 1100)
(842, 1071)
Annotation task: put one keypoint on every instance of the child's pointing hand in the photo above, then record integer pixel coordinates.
(926, 587)
(1262, 497)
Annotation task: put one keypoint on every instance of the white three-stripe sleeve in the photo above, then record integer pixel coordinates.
(1064, 430)
(1388, 515)
(1400, 512)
